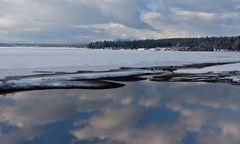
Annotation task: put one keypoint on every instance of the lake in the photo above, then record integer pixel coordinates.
(141, 112)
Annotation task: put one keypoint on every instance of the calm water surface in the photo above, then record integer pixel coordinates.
(139, 113)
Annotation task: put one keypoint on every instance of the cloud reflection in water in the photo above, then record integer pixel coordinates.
(140, 113)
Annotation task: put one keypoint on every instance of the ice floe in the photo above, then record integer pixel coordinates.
(70, 80)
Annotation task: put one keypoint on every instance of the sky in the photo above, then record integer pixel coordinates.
(83, 21)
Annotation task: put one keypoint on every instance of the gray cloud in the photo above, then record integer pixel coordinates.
(76, 21)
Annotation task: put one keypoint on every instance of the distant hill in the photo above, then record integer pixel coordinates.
(43, 45)
(188, 44)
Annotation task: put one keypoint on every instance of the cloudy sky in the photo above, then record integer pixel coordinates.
(81, 21)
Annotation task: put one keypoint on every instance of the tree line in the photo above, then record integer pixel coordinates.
(191, 44)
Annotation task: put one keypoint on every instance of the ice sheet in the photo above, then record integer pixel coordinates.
(22, 61)
(60, 80)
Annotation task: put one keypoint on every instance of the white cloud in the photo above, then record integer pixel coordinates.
(6, 22)
(190, 14)
(120, 31)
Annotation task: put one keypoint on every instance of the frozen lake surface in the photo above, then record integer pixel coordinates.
(130, 112)
(20, 61)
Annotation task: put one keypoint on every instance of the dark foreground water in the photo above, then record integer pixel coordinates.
(139, 113)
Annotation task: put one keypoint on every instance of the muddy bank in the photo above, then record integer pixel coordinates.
(225, 77)
(188, 66)
(86, 84)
